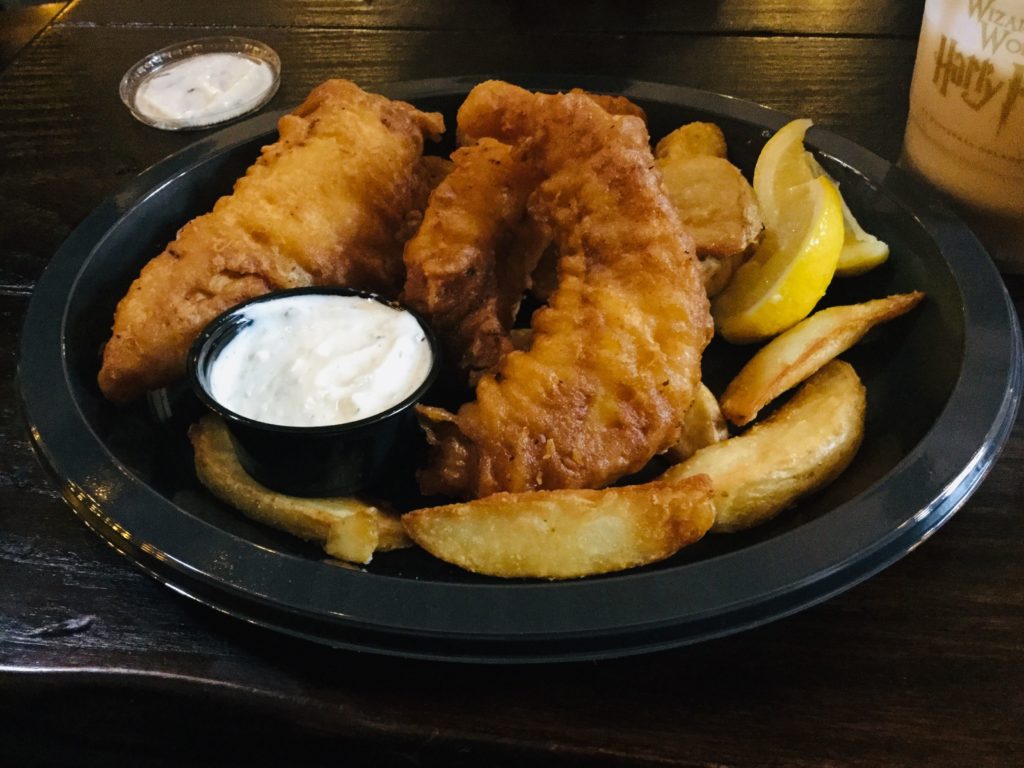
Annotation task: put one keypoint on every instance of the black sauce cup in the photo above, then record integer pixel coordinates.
(331, 460)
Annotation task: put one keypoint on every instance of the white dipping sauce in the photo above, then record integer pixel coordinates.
(204, 89)
(316, 360)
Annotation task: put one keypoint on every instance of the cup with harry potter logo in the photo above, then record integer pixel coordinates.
(965, 130)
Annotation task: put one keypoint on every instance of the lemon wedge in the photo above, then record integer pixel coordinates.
(797, 257)
(788, 274)
(862, 251)
(782, 166)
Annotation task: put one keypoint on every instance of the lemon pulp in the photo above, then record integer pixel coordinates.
(798, 255)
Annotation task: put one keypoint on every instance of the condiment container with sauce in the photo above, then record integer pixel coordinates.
(317, 386)
(200, 83)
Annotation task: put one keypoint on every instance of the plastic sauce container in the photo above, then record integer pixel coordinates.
(200, 83)
(352, 382)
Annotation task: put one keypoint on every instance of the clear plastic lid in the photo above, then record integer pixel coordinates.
(200, 83)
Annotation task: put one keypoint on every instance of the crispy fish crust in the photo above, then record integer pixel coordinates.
(615, 105)
(470, 262)
(483, 117)
(323, 205)
(615, 356)
(472, 259)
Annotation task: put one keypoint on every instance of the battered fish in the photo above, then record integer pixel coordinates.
(471, 261)
(485, 114)
(326, 204)
(469, 264)
(544, 279)
(613, 104)
(615, 357)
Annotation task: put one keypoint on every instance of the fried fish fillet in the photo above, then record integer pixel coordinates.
(471, 261)
(326, 204)
(544, 279)
(469, 264)
(486, 111)
(615, 356)
(613, 104)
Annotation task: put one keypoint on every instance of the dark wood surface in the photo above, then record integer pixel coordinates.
(21, 25)
(923, 665)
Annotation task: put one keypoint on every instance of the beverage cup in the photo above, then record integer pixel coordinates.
(965, 128)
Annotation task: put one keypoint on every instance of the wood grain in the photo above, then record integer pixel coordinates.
(782, 17)
(19, 25)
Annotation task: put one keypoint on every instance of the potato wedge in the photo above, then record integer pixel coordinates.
(703, 425)
(862, 251)
(715, 202)
(691, 140)
(793, 356)
(802, 447)
(347, 528)
(717, 207)
(566, 534)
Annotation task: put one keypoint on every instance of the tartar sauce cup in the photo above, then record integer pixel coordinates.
(200, 83)
(322, 459)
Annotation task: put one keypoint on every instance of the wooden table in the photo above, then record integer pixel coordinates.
(923, 665)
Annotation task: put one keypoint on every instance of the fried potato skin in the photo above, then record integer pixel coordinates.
(566, 534)
(692, 140)
(802, 447)
(717, 206)
(615, 356)
(346, 527)
(793, 356)
(470, 262)
(321, 206)
(703, 425)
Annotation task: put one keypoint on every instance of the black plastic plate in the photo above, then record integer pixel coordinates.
(943, 385)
